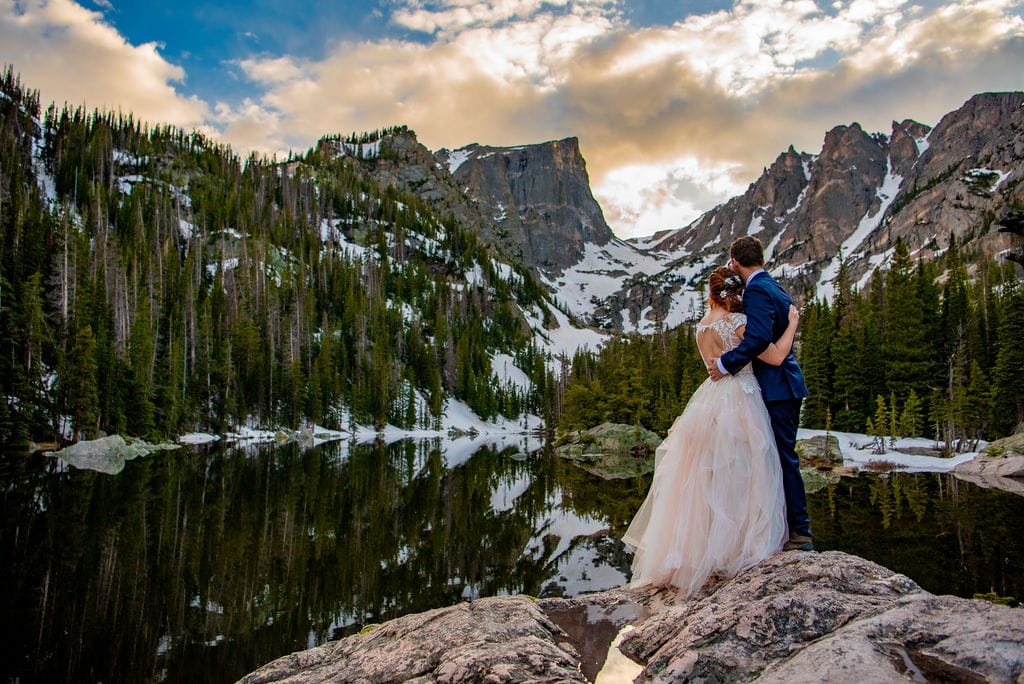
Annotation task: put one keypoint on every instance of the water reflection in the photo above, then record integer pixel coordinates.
(949, 536)
(201, 565)
(198, 567)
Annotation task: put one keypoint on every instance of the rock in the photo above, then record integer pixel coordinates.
(763, 616)
(107, 454)
(611, 450)
(536, 200)
(920, 638)
(995, 466)
(820, 451)
(1007, 446)
(500, 639)
(816, 480)
(795, 617)
(1004, 472)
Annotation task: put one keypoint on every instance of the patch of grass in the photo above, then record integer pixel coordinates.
(993, 597)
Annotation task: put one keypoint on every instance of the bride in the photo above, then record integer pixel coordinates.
(716, 503)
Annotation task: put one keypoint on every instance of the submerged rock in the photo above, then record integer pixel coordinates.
(795, 617)
(610, 450)
(107, 454)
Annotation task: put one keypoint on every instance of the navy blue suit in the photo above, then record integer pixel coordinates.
(766, 304)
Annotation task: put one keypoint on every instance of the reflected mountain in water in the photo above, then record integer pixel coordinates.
(203, 564)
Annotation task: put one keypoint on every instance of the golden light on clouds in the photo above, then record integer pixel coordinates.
(672, 119)
(71, 54)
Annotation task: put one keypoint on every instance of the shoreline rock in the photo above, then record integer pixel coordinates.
(107, 454)
(610, 450)
(795, 617)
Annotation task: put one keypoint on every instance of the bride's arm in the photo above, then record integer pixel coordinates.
(777, 352)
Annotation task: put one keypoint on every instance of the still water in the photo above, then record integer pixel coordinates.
(199, 565)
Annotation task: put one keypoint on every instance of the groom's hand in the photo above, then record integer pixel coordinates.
(714, 372)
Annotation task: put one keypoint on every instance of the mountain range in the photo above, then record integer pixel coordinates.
(849, 201)
(153, 281)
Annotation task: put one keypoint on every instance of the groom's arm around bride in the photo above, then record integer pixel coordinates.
(766, 305)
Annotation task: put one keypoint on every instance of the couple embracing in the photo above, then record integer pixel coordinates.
(727, 491)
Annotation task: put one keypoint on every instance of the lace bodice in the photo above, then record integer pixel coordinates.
(726, 328)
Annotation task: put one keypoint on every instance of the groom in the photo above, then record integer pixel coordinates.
(767, 307)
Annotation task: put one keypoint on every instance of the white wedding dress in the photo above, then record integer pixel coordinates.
(716, 503)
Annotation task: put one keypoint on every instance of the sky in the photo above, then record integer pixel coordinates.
(678, 104)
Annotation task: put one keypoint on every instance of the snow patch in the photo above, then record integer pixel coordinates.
(857, 450)
(457, 159)
(504, 367)
(193, 438)
(868, 223)
(601, 272)
(756, 225)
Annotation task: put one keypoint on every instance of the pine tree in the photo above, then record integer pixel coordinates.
(81, 385)
(1007, 398)
(880, 424)
(903, 333)
(910, 418)
(817, 329)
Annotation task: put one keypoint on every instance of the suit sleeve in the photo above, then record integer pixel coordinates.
(758, 335)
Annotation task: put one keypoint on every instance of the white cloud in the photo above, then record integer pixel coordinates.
(644, 198)
(730, 88)
(453, 16)
(71, 54)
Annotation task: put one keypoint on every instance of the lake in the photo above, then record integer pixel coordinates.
(201, 564)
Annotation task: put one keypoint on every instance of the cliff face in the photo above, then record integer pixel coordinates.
(863, 191)
(537, 198)
(532, 202)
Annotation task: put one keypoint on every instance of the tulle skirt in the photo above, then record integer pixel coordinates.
(716, 503)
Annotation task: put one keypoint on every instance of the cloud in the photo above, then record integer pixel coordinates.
(453, 16)
(672, 119)
(670, 194)
(71, 54)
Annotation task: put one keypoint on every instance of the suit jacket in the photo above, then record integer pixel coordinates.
(767, 308)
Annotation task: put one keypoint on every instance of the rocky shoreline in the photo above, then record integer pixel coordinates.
(796, 617)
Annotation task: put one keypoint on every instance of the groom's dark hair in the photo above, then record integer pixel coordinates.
(747, 250)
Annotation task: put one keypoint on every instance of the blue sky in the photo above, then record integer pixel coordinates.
(678, 104)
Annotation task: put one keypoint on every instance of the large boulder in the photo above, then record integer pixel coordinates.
(820, 451)
(795, 617)
(795, 613)
(1000, 466)
(610, 450)
(1007, 446)
(500, 639)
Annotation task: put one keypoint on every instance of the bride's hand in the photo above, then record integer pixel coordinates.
(794, 315)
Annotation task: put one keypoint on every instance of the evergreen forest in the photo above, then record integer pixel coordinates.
(928, 349)
(152, 282)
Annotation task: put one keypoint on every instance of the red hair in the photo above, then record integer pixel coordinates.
(726, 289)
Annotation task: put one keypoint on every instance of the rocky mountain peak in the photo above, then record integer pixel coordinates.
(537, 198)
(907, 141)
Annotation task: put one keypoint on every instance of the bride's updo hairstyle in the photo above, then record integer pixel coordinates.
(726, 289)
